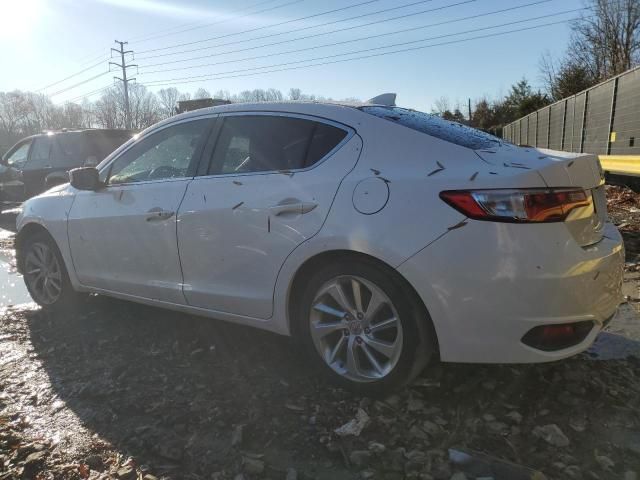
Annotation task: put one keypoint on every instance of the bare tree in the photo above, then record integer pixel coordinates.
(222, 95)
(607, 38)
(168, 98)
(201, 93)
(107, 111)
(441, 105)
(295, 94)
(145, 110)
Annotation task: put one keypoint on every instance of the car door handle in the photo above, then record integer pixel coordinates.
(294, 207)
(157, 214)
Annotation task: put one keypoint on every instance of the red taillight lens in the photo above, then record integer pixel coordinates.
(524, 206)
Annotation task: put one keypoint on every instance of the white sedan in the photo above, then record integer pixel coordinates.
(381, 238)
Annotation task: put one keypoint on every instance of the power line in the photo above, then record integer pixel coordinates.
(86, 95)
(286, 22)
(102, 57)
(412, 42)
(405, 30)
(406, 5)
(306, 37)
(364, 56)
(66, 89)
(153, 36)
(70, 76)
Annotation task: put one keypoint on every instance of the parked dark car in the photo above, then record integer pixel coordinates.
(42, 161)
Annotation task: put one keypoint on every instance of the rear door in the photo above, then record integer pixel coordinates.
(11, 184)
(123, 237)
(268, 187)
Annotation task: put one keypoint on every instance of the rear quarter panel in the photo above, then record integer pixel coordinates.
(416, 168)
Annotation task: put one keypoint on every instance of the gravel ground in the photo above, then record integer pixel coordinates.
(124, 391)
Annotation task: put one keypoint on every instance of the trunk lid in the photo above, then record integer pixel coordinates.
(561, 170)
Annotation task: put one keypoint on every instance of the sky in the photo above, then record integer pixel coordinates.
(46, 41)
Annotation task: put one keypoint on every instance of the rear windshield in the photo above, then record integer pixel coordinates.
(436, 127)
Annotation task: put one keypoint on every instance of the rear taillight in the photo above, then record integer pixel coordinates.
(522, 206)
(557, 337)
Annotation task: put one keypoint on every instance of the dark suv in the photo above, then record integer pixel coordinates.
(42, 161)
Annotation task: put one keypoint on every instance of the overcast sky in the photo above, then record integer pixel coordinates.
(45, 41)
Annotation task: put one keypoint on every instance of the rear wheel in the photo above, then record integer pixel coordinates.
(364, 328)
(45, 274)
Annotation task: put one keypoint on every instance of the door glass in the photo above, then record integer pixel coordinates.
(18, 158)
(166, 154)
(40, 153)
(69, 150)
(260, 143)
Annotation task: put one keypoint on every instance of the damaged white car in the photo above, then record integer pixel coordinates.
(381, 238)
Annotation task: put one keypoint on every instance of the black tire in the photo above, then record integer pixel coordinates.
(419, 344)
(67, 299)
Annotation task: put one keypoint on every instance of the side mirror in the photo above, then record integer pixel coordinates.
(85, 178)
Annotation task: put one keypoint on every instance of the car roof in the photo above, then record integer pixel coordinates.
(344, 112)
(284, 106)
(50, 133)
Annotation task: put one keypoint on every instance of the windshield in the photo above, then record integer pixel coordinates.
(436, 126)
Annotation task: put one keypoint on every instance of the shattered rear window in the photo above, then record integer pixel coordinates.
(436, 127)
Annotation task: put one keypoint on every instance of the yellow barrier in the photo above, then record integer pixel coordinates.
(621, 164)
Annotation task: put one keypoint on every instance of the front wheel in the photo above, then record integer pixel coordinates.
(364, 327)
(45, 274)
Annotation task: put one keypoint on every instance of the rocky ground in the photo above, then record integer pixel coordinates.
(128, 392)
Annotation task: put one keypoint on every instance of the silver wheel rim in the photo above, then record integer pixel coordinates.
(356, 329)
(43, 274)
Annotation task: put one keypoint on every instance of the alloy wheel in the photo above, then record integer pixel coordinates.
(43, 273)
(356, 329)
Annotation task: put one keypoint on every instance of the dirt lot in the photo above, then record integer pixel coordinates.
(124, 391)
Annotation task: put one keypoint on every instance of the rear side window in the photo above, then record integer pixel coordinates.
(40, 153)
(70, 149)
(262, 143)
(437, 127)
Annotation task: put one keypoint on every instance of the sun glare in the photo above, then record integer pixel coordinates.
(20, 17)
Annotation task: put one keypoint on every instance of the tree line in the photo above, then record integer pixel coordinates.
(25, 113)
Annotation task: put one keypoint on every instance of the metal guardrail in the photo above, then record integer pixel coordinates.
(621, 164)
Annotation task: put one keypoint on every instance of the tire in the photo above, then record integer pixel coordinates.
(390, 344)
(54, 291)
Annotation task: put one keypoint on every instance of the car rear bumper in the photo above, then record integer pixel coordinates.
(487, 284)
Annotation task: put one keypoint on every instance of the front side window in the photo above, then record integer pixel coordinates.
(262, 143)
(163, 155)
(19, 157)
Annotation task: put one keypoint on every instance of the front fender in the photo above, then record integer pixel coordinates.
(50, 212)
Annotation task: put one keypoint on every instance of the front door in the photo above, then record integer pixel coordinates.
(123, 237)
(12, 187)
(269, 187)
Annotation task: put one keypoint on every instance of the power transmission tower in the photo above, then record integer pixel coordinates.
(125, 81)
